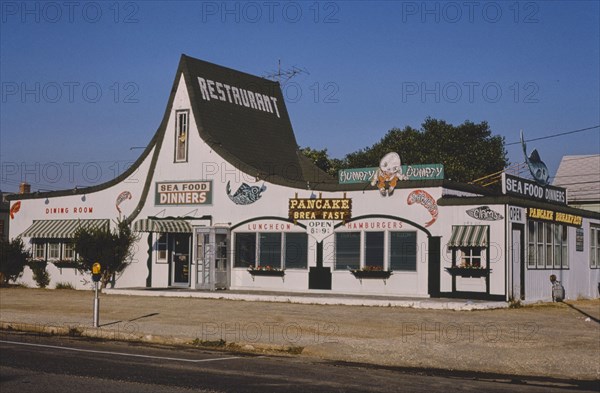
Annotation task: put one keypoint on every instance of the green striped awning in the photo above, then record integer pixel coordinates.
(469, 236)
(162, 226)
(62, 228)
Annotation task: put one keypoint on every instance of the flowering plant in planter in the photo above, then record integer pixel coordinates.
(371, 272)
(468, 271)
(263, 268)
(465, 266)
(65, 264)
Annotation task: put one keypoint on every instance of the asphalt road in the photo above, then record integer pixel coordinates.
(32, 363)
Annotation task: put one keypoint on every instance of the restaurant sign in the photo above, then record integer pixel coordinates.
(552, 216)
(189, 192)
(412, 172)
(513, 185)
(338, 209)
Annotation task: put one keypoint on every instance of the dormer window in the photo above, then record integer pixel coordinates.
(181, 136)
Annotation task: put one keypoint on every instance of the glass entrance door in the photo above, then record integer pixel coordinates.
(203, 253)
(212, 258)
(180, 259)
(221, 261)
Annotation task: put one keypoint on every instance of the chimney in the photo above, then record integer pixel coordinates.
(24, 188)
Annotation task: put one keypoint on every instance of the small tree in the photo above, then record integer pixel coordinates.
(40, 274)
(113, 250)
(13, 258)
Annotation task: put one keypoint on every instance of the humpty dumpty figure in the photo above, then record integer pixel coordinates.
(389, 172)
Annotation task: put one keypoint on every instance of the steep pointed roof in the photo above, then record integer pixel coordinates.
(245, 120)
(258, 139)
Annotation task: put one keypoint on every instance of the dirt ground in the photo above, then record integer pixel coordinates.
(559, 340)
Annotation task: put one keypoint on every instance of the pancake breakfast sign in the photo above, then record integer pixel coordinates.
(319, 215)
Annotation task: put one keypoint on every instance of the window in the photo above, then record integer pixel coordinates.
(181, 136)
(270, 250)
(347, 250)
(374, 249)
(470, 257)
(595, 247)
(53, 251)
(39, 251)
(540, 244)
(296, 250)
(1, 228)
(280, 251)
(547, 246)
(531, 254)
(68, 251)
(161, 247)
(245, 249)
(403, 251)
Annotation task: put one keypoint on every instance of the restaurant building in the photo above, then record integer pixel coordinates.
(222, 199)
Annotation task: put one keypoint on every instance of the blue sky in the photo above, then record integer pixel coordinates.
(84, 82)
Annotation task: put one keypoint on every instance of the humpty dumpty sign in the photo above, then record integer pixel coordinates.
(387, 175)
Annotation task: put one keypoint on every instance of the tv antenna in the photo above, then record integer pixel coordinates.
(283, 76)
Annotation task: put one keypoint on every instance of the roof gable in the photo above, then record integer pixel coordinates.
(244, 119)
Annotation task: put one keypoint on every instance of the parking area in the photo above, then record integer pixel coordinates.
(560, 340)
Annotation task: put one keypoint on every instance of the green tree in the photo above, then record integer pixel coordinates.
(40, 274)
(468, 151)
(113, 250)
(13, 258)
(321, 159)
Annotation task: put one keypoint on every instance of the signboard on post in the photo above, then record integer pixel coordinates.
(96, 272)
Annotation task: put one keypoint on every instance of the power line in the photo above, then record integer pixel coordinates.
(554, 135)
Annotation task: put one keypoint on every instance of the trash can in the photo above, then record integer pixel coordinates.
(558, 291)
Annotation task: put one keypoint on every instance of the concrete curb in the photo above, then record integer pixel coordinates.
(76, 330)
(426, 304)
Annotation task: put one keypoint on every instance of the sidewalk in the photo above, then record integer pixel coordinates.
(317, 297)
(553, 340)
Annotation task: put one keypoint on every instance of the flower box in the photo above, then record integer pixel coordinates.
(65, 264)
(468, 271)
(380, 274)
(35, 263)
(267, 272)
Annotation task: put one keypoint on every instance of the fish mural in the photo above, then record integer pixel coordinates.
(122, 197)
(245, 194)
(14, 209)
(538, 169)
(424, 198)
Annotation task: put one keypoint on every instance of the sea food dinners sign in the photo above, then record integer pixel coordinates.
(513, 185)
(192, 192)
(339, 209)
